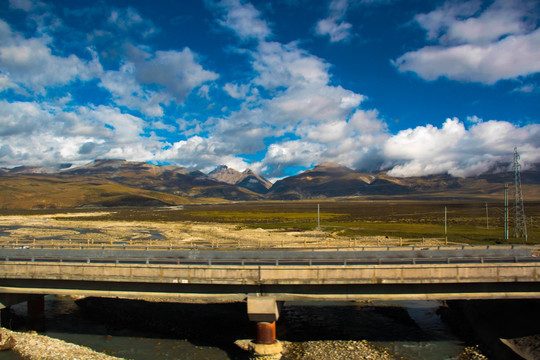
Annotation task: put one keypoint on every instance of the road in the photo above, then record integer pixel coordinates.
(311, 257)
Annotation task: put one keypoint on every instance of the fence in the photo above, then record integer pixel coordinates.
(229, 244)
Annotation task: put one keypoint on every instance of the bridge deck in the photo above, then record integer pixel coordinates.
(215, 276)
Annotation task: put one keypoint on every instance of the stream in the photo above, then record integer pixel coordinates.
(145, 330)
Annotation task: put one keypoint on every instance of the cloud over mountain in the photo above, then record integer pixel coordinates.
(272, 86)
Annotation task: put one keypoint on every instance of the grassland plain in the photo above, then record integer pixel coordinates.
(270, 223)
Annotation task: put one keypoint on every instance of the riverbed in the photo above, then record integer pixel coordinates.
(143, 330)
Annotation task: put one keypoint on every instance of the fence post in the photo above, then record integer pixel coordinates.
(400, 241)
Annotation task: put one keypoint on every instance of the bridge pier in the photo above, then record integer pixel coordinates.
(266, 333)
(36, 312)
(264, 311)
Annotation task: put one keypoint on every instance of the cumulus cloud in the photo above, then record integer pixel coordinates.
(280, 156)
(287, 109)
(26, 5)
(44, 134)
(236, 91)
(29, 63)
(279, 65)
(149, 80)
(334, 25)
(126, 91)
(298, 111)
(129, 19)
(243, 19)
(473, 44)
(458, 151)
(200, 153)
(178, 72)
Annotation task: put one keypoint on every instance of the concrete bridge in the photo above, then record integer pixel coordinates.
(266, 278)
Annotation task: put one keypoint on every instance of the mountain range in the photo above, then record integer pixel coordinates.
(126, 183)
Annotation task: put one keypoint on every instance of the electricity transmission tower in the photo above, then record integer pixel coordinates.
(520, 224)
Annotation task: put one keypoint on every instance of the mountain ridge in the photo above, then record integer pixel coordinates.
(247, 179)
(127, 183)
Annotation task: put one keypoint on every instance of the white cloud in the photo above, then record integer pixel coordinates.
(367, 121)
(509, 58)
(126, 91)
(6, 83)
(425, 142)
(244, 20)
(178, 72)
(30, 63)
(21, 118)
(456, 23)
(313, 119)
(527, 88)
(327, 132)
(334, 25)
(43, 134)
(200, 153)
(175, 73)
(279, 65)
(26, 5)
(486, 46)
(279, 156)
(453, 149)
(312, 105)
(236, 91)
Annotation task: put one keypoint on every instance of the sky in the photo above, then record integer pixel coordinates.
(410, 87)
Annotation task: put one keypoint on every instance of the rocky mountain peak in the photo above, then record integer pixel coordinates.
(247, 179)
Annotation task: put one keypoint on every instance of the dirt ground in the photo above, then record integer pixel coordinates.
(65, 229)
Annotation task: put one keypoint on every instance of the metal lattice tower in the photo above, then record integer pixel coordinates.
(520, 225)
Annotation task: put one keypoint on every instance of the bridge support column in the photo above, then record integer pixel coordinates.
(266, 333)
(36, 312)
(264, 311)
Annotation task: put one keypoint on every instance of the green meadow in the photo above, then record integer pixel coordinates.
(466, 221)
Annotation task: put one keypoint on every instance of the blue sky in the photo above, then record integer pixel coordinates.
(408, 87)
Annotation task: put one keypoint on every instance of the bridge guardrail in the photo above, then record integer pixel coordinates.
(123, 247)
(279, 262)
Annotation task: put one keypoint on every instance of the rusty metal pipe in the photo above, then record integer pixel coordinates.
(266, 333)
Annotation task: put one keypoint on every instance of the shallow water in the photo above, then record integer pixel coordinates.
(439, 342)
(140, 330)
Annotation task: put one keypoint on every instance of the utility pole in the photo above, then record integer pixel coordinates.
(520, 221)
(318, 216)
(487, 217)
(505, 211)
(445, 232)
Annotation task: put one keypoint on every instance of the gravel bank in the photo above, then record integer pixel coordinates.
(343, 350)
(34, 346)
